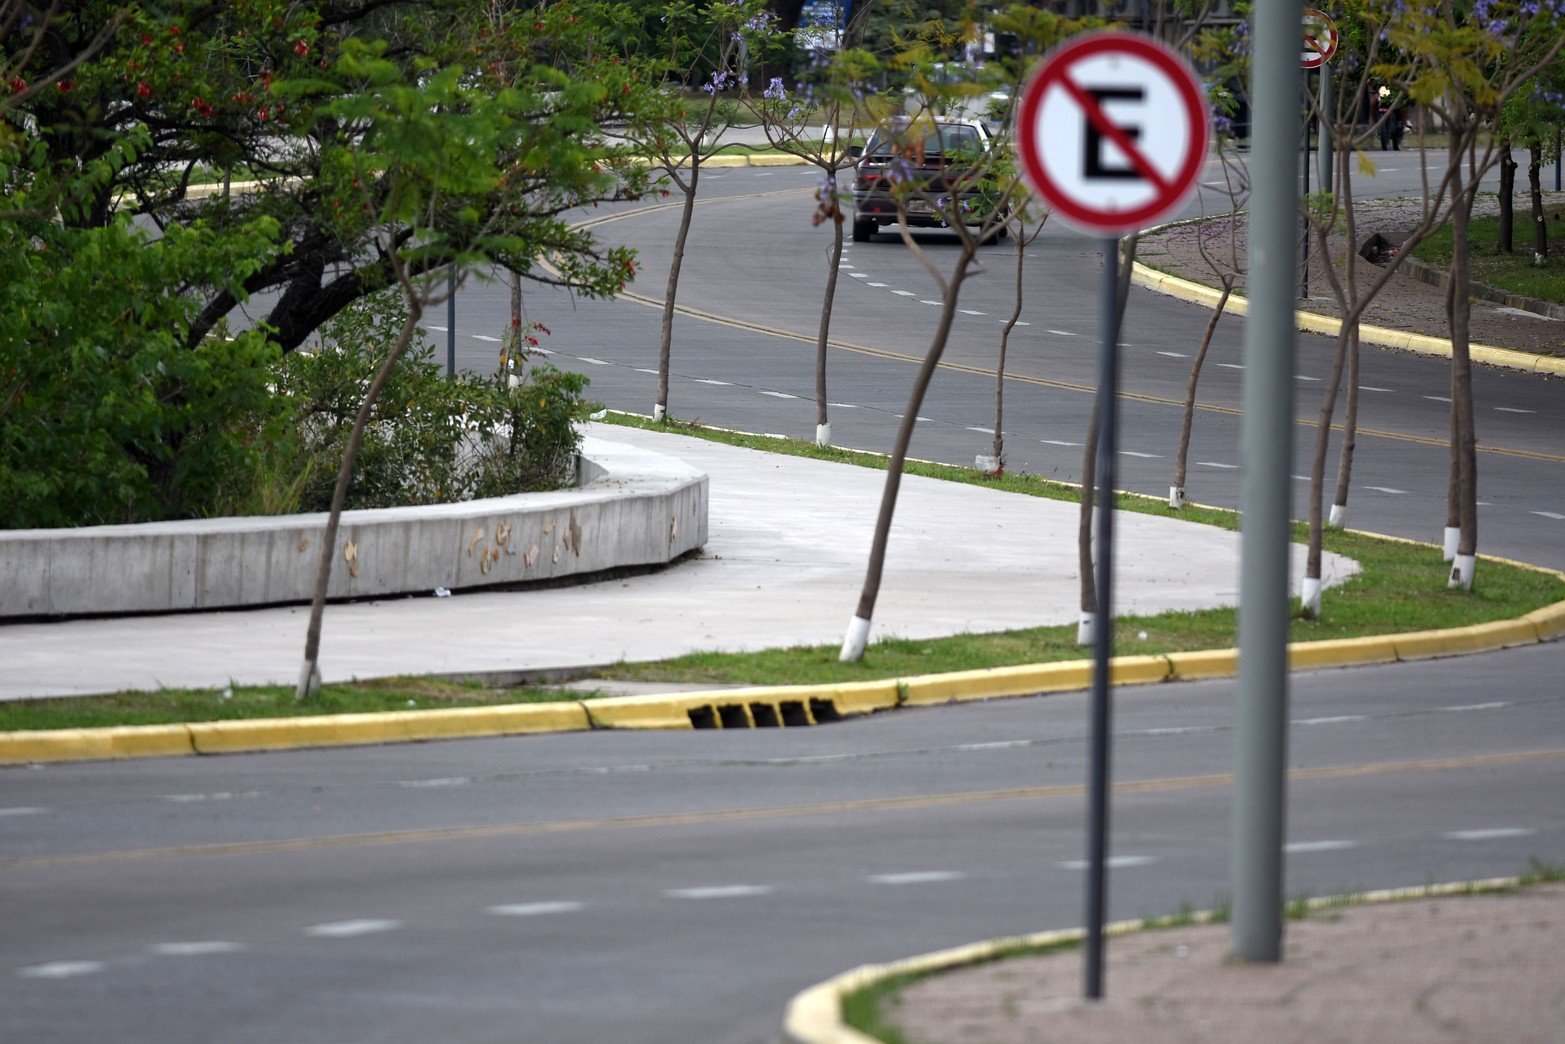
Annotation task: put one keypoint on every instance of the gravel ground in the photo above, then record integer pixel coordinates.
(1404, 303)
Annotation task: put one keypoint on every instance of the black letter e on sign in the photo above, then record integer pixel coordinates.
(1092, 160)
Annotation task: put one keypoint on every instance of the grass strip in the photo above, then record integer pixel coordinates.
(1402, 587)
(1514, 272)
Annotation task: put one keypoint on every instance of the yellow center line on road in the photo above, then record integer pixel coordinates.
(514, 830)
(886, 353)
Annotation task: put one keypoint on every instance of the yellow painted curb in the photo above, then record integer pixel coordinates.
(331, 730)
(1549, 621)
(120, 741)
(757, 707)
(1342, 652)
(1420, 344)
(1207, 663)
(1501, 634)
(814, 1016)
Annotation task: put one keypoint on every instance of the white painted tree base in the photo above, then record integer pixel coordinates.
(1462, 569)
(1453, 540)
(1309, 596)
(987, 464)
(853, 644)
(309, 680)
(1338, 517)
(659, 411)
(1086, 628)
(1176, 497)
(823, 434)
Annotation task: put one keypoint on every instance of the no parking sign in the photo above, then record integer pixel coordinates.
(1112, 132)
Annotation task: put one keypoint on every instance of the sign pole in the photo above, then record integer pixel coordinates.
(451, 322)
(1304, 240)
(1266, 449)
(1103, 635)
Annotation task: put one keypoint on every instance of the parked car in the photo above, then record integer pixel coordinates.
(924, 167)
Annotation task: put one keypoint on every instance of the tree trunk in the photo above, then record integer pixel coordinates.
(1507, 243)
(1540, 226)
(858, 628)
(1005, 339)
(1328, 406)
(310, 673)
(1350, 427)
(1085, 559)
(1465, 437)
(1176, 496)
(1453, 514)
(660, 408)
(822, 420)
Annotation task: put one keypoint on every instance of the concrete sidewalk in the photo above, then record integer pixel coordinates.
(789, 538)
(1454, 968)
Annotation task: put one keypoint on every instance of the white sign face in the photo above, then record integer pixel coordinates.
(1113, 132)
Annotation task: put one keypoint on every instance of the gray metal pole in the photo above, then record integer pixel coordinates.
(451, 324)
(1266, 493)
(1327, 143)
(1103, 639)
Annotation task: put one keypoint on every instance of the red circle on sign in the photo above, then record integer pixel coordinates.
(1171, 189)
(1318, 49)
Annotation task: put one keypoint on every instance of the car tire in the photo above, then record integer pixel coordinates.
(862, 230)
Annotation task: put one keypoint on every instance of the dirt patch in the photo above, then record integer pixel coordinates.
(1473, 968)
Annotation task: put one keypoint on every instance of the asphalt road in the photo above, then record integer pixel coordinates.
(754, 263)
(680, 887)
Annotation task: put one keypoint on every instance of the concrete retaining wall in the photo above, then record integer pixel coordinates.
(632, 508)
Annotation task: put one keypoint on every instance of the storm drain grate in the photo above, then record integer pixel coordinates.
(792, 713)
(733, 716)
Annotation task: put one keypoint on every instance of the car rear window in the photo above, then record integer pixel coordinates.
(941, 139)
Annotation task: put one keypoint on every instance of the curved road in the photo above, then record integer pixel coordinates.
(680, 887)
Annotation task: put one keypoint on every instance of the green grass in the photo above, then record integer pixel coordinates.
(257, 701)
(1402, 588)
(1514, 272)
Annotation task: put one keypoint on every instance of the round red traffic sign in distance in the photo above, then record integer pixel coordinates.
(1320, 39)
(1112, 132)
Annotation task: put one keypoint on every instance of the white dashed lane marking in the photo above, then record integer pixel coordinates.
(445, 781)
(590, 361)
(349, 929)
(904, 293)
(1302, 377)
(1371, 387)
(1513, 409)
(779, 395)
(719, 892)
(929, 302)
(1336, 720)
(915, 877)
(982, 431)
(1387, 489)
(1297, 847)
(880, 285)
(1175, 355)
(1137, 453)
(1113, 862)
(843, 405)
(708, 380)
(641, 369)
(23, 810)
(1438, 398)
(485, 337)
(1058, 442)
(858, 275)
(60, 969)
(1062, 333)
(969, 311)
(1215, 464)
(1556, 516)
(1496, 705)
(535, 909)
(1231, 366)
(203, 948)
(1492, 834)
